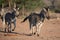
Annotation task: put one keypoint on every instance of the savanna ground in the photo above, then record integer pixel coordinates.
(49, 31)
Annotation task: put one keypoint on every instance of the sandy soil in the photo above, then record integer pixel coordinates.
(50, 31)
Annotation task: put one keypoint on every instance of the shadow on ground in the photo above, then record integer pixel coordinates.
(14, 33)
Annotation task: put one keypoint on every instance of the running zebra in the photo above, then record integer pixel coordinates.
(37, 20)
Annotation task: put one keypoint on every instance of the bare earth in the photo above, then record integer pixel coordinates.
(50, 31)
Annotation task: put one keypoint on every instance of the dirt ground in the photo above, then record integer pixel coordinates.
(50, 31)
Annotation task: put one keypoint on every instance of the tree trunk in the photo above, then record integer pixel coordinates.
(23, 11)
(9, 4)
(14, 5)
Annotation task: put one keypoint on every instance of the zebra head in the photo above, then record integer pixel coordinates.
(46, 13)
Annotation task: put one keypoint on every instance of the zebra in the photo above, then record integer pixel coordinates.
(37, 20)
(9, 17)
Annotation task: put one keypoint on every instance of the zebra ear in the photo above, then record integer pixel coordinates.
(44, 9)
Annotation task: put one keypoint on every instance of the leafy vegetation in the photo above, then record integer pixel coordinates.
(28, 4)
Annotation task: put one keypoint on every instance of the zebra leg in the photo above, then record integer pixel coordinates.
(14, 25)
(39, 25)
(6, 27)
(33, 30)
(9, 27)
(3, 25)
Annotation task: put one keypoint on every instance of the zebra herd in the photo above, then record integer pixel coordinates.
(35, 20)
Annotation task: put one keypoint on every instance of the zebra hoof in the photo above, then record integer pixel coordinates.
(12, 29)
(34, 33)
(37, 34)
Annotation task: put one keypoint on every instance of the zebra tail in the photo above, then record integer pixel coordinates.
(25, 19)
